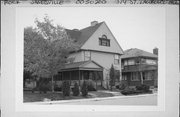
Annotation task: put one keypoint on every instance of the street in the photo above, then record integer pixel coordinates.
(129, 100)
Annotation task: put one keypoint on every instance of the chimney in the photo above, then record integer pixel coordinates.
(93, 23)
(155, 51)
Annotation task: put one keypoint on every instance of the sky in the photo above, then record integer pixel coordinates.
(133, 27)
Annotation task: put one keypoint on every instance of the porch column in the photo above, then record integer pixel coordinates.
(79, 77)
(62, 76)
(70, 77)
(101, 78)
(96, 78)
(141, 77)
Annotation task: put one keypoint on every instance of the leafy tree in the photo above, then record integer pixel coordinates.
(112, 77)
(46, 48)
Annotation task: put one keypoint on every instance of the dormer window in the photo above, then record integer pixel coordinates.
(103, 41)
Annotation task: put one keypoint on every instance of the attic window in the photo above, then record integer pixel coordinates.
(103, 41)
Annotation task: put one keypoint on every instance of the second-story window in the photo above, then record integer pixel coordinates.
(87, 55)
(103, 41)
(150, 62)
(125, 62)
(131, 62)
(116, 59)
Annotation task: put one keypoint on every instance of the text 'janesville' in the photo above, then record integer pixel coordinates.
(60, 2)
(47, 2)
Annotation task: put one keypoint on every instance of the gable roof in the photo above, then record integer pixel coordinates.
(81, 36)
(134, 52)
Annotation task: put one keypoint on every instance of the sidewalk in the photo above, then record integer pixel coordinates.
(92, 99)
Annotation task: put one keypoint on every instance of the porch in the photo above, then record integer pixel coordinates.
(80, 71)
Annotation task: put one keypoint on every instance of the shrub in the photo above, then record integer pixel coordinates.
(44, 87)
(117, 86)
(144, 88)
(84, 89)
(139, 90)
(75, 89)
(122, 86)
(128, 92)
(66, 88)
(90, 86)
(57, 88)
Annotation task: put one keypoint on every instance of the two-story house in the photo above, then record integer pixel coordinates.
(139, 67)
(98, 50)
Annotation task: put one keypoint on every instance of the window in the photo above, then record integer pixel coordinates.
(103, 41)
(125, 62)
(143, 61)
(148, 75)
(134, 76)
(131, 62)
(150, 62)
(87, 55)
(116, 59)
(124, 77)
(137, 60)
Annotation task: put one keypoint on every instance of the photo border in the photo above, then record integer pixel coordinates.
(20, 106)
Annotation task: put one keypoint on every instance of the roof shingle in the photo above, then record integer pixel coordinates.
(81, 36)
(134, 52)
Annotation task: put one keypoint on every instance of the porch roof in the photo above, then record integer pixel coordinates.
(83, 65)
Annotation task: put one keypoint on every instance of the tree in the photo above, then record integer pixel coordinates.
(46, 48)
(112, 77)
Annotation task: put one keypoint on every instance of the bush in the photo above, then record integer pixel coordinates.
(44, 87)
(57, 88)
(66, 88)
(139, 90)
(122, 86)
(84, 89)
(144, 88)
(91, 86)
(75, 89)
(117, 86)
(128, 92)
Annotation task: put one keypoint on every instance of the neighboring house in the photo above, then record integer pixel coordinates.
(139, 67)
(98, 50)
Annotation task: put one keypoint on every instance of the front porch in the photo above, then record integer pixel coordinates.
(80, 71)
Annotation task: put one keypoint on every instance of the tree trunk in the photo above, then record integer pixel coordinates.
(52, 84)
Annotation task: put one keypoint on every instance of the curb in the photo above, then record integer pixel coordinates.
(91, 99)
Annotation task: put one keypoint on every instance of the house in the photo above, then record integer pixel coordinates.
(139, 67)
(98, 50)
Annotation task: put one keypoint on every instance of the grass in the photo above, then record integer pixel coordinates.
(36, 97)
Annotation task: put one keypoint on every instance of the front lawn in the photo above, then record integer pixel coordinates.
(36, 97)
